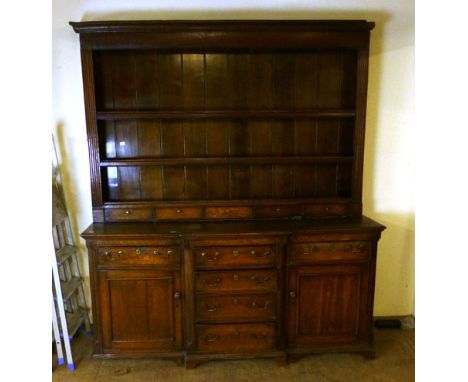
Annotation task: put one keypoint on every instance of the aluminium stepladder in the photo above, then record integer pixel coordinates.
(68, 290)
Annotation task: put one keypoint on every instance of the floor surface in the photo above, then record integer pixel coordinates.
(394, 362)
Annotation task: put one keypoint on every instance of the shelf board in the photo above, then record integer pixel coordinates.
(203, 161)
(168, 114)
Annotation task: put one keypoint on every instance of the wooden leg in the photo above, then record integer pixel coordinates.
(180, 361)
(369, 354)
(281, 360)
(191, 364)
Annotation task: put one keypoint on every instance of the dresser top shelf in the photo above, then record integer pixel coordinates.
(277, 25)
(175, 229)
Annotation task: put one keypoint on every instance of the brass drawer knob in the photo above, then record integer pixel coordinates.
(235, 301)
(170, 253)
(176, 295)
(236, 277)
(228, 211)
(292, 294)
(128, 212)
(138, 252)
(156, 252)
(235, 253)
(178, 211)
(277, 209)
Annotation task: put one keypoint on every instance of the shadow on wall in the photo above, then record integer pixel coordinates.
(395, 286)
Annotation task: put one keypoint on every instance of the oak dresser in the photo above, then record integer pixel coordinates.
(226, 175)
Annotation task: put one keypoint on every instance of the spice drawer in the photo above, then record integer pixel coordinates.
(236, 281)
(235, 257)
(236, 307)
(139, 256)
(236, 338)
(306, 253)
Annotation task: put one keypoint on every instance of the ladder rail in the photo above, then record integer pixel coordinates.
(56, 335)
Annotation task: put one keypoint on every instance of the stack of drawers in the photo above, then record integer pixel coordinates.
(236, 297)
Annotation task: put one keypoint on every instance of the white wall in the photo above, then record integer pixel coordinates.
(389, 163)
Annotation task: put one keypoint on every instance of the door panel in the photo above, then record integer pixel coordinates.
(327, 304)
(141, 310)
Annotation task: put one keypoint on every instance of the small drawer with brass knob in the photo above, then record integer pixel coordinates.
(128, 214)
(317, 252)
(228, 212)
(163, 255)
(175, 213)
(260, 256)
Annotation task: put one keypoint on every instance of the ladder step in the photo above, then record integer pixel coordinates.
(63, 254)
(70, 287)
(74, 321)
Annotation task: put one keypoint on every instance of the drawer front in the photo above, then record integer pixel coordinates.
(236, 338)
(235, 257)
(236, 281)
(124, 214)
(305, 253)
(178, 213)
(228, 212)
(236, 307)
(139, 256)
(326, 210)
(277, 211)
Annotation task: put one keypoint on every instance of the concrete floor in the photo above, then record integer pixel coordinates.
(394, 362)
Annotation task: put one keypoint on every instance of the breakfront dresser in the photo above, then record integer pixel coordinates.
(226, 174)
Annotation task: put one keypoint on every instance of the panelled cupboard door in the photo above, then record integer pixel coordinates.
(140, 310)
(327, 305)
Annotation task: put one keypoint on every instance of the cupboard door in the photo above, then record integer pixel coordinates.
(140, 310)
(327, 305)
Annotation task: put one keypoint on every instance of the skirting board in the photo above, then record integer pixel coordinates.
(407, 322)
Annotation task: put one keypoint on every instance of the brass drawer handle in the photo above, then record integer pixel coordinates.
(255, 254)
(235, 301)
(292, 294)
(257, 336)
(116, 256)
(260, 280)
(176, 295)
(138, 252)
(235, 277)
(214, 282)
(106, 253)
(210, 258)
(211, 338)
(235, 253)
(168, 254)
(212, 308)
(228, 211)
(178, 211)
(128, 212)
(361, 247)
(263, 306)
(313, 247)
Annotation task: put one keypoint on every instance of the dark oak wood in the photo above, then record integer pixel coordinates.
(226, 166)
